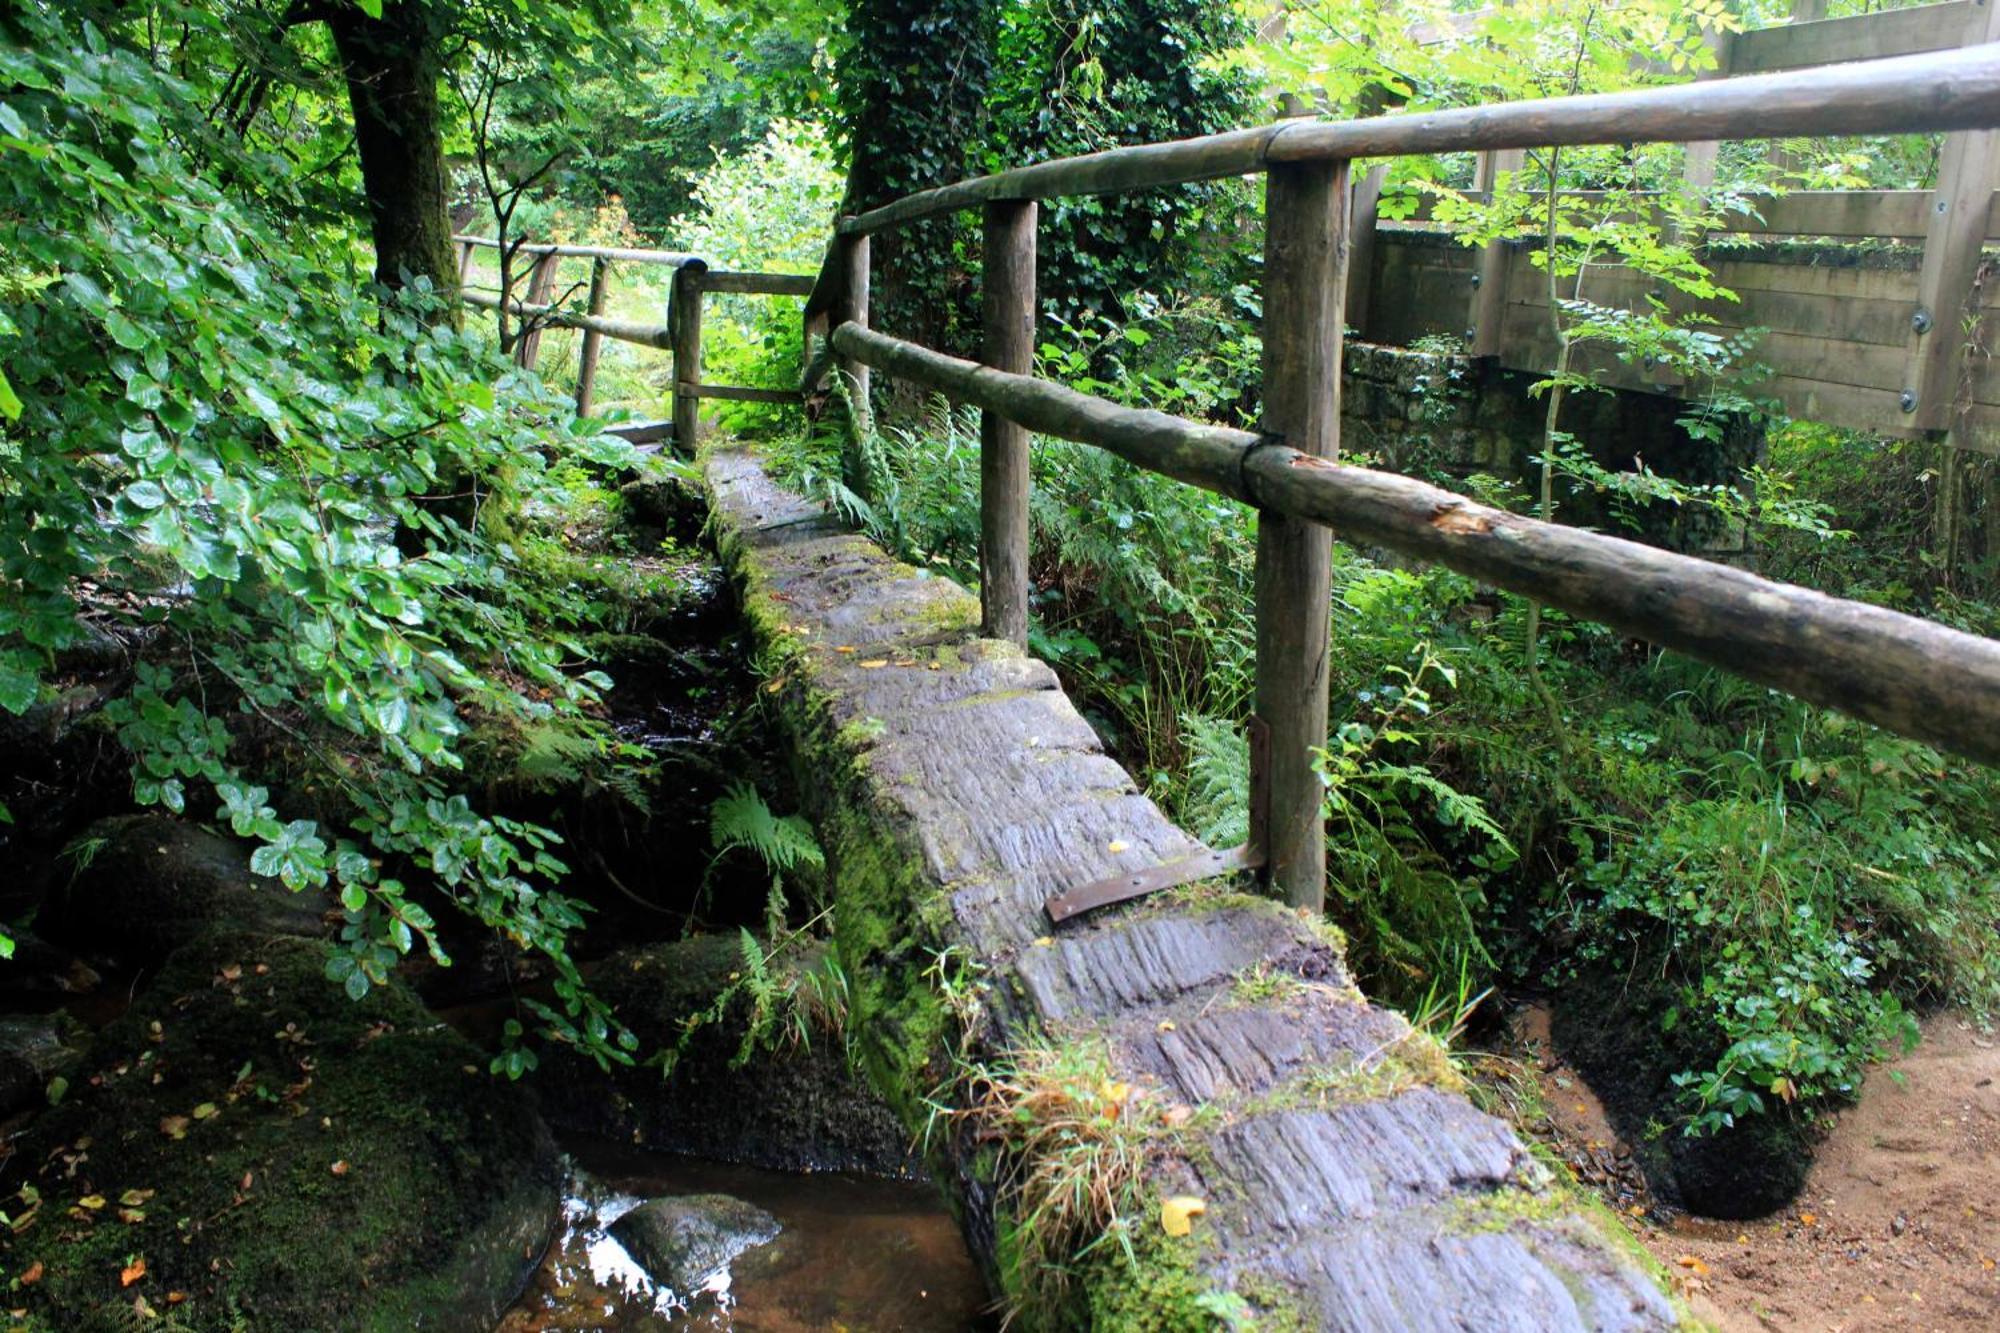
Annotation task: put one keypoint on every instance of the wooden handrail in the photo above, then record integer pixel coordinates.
(624, 330)
(1906, 94)
(1908, 674)
(625, 255)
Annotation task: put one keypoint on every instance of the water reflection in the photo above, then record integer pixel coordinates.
(857, 1255)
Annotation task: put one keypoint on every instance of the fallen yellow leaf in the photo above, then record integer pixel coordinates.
(339, 1168)
(843, 648)
(1117, 845)
(33, 1275)
(132, 1272)
(874, 662)
(92, 1201)
(1178, 1213)
(1692, 1264)
(133, 1198)
(205, 1111)
(1166, 1025)
(1045, 941)
(1807, 1219)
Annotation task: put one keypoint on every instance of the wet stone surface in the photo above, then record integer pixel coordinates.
(963, 788)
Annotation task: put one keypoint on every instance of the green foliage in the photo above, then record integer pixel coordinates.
(911, 83)
(226, 446)
(1073, 77)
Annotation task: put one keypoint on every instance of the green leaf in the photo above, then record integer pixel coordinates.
(10, 403)
(124, 332)
(145, 495)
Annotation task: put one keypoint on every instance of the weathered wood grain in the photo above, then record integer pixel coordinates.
(1305, 304)
(1007, 286)
(954, 784)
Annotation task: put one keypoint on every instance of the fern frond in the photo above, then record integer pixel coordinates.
(742, 819)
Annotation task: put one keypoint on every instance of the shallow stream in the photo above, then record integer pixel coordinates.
(857, 1254)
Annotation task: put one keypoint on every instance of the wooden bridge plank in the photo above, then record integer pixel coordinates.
(948, 797)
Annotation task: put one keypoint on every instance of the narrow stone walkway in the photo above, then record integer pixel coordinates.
(1348, 1184)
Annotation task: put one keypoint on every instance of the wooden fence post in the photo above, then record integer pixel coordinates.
(1305, 274)
(853, 309)
(1364, 217)
(464, 261)
(541, 282)
(1488, 305)
(593, 341)
(1008, 296)
(1955, 228)
(684, 317)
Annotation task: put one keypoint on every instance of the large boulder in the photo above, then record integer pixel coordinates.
(787, 1098)
(252, 1148)
(683, 1241)
(146, 884)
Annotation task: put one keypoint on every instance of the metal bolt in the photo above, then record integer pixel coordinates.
(1468, 335)
(1921, 321)
(1907, 400)
(1940, 206)
(1476, 279)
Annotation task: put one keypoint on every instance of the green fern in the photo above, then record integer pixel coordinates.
(742, 819)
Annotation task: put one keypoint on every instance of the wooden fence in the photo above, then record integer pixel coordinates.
(1901, 672)
(1889, 339)
(693, 281)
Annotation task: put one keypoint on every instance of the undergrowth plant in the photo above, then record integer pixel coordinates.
(309, 503)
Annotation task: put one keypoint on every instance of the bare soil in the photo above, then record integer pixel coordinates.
(1898, 1227)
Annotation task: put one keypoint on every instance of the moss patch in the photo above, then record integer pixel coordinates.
(304, 1161)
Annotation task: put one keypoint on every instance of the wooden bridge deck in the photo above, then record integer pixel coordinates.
(957, 789)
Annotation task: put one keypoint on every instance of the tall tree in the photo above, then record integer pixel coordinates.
(392, 59)
(1078, 76)
(912, 84)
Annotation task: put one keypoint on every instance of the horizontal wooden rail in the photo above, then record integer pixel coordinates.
(757, 284)
(1901, 672)
(628, 256)
(741, 393)
(1944, 91)
(624, 330)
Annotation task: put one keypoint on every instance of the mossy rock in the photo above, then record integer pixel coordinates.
(147, 884)
(306, 1162)
(792, 1103)
(683, 1241)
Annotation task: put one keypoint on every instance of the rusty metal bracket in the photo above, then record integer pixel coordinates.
(1167, 875)
(1202, 865)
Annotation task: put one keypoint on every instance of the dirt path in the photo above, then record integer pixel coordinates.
(1898, 1227)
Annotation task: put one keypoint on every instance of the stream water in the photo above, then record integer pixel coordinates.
(856, 1254)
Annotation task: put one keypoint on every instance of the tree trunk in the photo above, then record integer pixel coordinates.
(392, 70)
